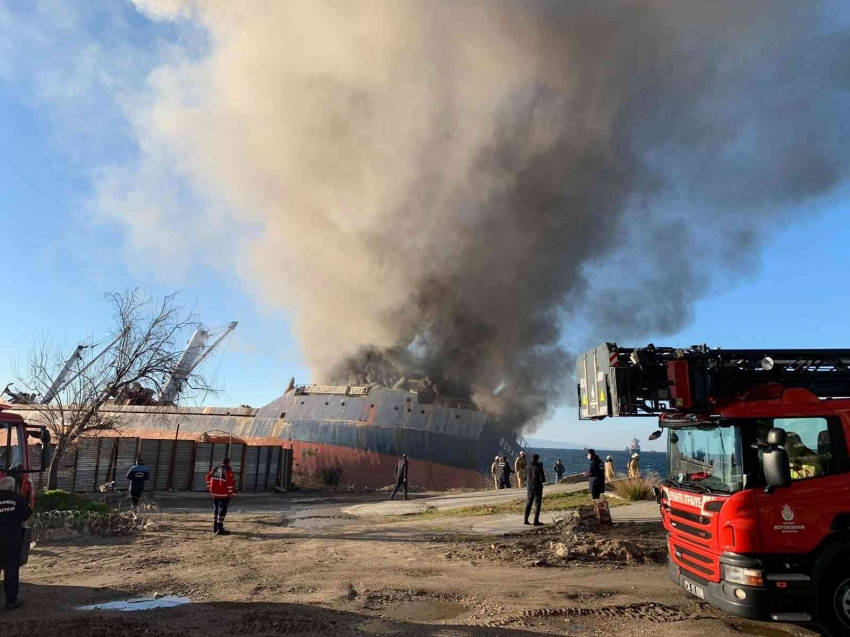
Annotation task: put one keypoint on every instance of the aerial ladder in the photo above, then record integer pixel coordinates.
(652, 381)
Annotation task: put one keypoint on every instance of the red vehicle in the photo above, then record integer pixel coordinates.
(756, 501)
(15, 437)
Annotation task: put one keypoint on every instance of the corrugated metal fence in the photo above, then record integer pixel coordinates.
(175, 465)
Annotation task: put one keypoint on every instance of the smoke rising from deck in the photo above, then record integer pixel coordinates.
(459, 189)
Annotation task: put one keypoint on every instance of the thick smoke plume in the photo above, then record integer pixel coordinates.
(458, 189)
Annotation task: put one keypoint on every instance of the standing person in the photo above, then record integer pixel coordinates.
(595, 475)
(137, 475)
(559, 470)
(222, 487)
(14, 511)
(535, 478)
(505, 472)
(609, 469)
(634, 466)
(400, 477)
(494, 472)
(519, 468)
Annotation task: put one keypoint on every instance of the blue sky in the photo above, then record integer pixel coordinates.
(61, 254)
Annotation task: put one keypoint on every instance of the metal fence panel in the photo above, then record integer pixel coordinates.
(181, 480)
(252, 455)
(106, 462)
(65, 474)
(126, 459)
(235, 453)
(95, 461)
(87, 452)
(285, 471)
(219, 453)
(263, 469)
(163, 465)
(149, 452)
(274, 467)
(203, 461)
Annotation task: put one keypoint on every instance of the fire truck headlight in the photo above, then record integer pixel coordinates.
(745, 576)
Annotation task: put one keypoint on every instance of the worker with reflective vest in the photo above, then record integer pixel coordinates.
(222, 487)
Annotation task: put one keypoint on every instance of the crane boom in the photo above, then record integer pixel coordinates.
(649, 381)
(62, 380)
(196, 352)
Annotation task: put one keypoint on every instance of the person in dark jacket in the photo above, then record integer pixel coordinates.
(535, 478)
(505, 472)
(559, 470)
(400, 477)
(222, 487)
(14, 511)
(137, 475)
(595, 475)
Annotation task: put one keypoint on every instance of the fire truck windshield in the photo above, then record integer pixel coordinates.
(706, 458)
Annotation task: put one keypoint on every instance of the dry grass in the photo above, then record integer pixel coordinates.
(553, 502)
(636, 489)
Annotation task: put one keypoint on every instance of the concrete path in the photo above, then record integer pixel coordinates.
(453, 501)
(503, 525)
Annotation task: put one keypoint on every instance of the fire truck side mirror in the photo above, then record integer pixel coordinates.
(655, 435)
(777, 465)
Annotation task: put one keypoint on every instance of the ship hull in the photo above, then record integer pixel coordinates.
(342, 439)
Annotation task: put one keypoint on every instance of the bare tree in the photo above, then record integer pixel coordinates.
(149, 337)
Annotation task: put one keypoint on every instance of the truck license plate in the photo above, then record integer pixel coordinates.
(694, 589)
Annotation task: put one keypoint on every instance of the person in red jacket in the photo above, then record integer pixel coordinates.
(222, 487)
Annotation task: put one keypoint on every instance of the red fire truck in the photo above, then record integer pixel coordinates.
(756, 500)
(15, 460)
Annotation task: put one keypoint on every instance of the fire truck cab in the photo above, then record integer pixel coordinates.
(16, 437)
(756, 500)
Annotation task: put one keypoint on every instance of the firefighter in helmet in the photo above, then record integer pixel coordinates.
(634, 466)
(494, 471)
(609, 469)
(519, 467)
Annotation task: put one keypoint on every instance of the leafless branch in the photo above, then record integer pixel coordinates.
(149, 336)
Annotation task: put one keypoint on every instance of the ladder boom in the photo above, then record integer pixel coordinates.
(649, 381)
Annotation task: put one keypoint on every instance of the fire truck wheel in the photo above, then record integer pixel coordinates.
(837, 615)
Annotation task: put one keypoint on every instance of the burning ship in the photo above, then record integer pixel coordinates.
(341, 435)
(351, 434)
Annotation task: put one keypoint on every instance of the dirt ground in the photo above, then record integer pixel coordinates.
(302, 567)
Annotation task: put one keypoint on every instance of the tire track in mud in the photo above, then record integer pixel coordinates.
(652, 612)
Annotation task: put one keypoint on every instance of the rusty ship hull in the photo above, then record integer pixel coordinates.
(347, 435)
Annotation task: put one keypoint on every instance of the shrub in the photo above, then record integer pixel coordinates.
(635, 489)
(59, 500)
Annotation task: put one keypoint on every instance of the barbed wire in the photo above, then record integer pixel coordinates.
(124, 520)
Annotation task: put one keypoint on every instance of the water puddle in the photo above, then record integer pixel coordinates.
(319, 522)
(762, 631)
(143, 603)
(426, 611)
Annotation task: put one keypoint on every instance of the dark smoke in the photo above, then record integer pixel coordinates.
(704, 137)
(494, 179)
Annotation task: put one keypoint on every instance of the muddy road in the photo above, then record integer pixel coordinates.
(304, 567)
